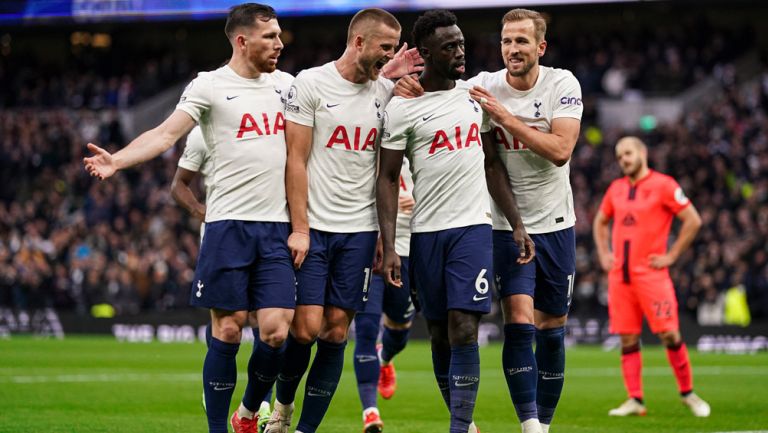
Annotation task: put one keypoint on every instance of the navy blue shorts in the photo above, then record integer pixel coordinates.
(395, 302)
(244, 265)
(337, 270)
(451, 270)
(548, 278)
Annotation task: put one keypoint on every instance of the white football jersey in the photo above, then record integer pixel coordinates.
(542, 189)
(403, 227)
(440, 133)
(243, 128)
(346, 120)
(196, 158)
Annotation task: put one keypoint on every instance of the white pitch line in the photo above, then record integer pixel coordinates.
(196, 377)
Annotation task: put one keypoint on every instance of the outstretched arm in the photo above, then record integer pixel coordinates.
(387, 187)
(497, 178)
(143, 148)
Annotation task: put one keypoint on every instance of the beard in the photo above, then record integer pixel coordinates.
(527, 66)
(633, 169)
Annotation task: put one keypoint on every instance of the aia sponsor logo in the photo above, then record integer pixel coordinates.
(258, 125)
(457, 141)
(353, 139)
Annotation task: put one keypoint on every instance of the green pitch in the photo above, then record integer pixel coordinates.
(98, 385)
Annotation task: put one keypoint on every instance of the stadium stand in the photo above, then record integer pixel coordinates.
(70, 242)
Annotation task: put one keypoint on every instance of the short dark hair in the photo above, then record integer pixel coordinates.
(427, 23)
(371, 15)
(245, 15)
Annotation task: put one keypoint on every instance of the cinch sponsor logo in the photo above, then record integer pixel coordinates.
(570, 100)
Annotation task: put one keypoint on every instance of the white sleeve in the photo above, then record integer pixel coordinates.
(196, 99)
(396, 128)
(301, 103)
(568, 98)
(194, 152)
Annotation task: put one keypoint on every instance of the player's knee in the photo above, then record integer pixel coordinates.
(463, 332)
(670, 338)
(274, 336)
(228, 332)
(335, 333)
(629, 340)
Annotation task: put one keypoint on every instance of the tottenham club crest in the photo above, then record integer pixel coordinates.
(474, 105)
(537, 105)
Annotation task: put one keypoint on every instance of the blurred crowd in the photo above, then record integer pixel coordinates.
(89, 78)
(70, 242)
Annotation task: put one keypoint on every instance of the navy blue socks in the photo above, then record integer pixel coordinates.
(550, 357)
(520, 368)
(296, 362)
(464, 376)
(219, 379)
(366, 360)
(322, 380)
(393, 341)
(263, 369)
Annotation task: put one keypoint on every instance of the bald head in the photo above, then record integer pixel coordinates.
(632, 156)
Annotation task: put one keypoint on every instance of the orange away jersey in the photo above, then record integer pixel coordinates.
(642, 217)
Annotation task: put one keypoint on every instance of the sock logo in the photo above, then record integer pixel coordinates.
(514, 371)
(465, 380)
(317, 392)
(221, 386)
(366, 358)
(548, 375)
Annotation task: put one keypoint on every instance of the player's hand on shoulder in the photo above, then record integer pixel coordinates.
(489, 103)
(606, 261)
(661, 261)
(524, 244)
(298, 243)
(101, 164)
(408, 87)
(404, 63)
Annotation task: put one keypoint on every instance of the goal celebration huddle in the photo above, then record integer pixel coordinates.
(382, 184)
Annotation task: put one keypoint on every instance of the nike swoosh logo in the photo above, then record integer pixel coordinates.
(476, 298)
(463, 383)
(331, 105)
(425, 118)
(365, 299)
(278, 91)
(551, 377)
(222, 388)
(366, 358)
(229, 98)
